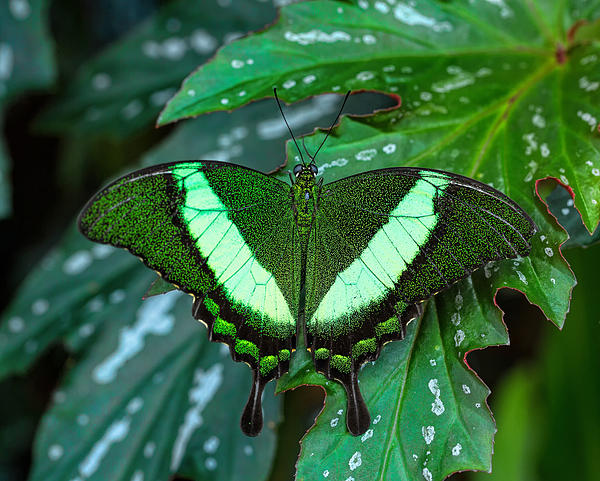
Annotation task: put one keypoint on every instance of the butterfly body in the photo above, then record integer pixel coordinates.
(339, 268)
(305, 194)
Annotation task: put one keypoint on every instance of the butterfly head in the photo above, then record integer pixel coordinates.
(302, 171)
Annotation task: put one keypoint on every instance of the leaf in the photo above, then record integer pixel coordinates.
(585, 31)
(560, 204)
(26, 62)
(429, 416)
(159, 286)
(485, 77)
(254, 135)
(66, 293)
(176, 411)
(148, 384)
(122, 89)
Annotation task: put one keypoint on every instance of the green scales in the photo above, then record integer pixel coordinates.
(343, 264)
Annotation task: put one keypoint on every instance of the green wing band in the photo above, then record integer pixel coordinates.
(410, 232)
(386, 256)
(237, 268)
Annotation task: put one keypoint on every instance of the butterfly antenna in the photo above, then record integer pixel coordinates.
(288, 126)
(311, 157)
(334, 122)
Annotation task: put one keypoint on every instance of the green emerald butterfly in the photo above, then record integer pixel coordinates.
(337, 267)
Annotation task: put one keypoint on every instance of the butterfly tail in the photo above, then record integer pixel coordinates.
(357, 414)
(252, 417)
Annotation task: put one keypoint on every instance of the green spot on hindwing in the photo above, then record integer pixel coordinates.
(221, 326)
(391, 326)
(267, 364)
(366, 346)
(211, 306)
(246, 347)
(322, 353)
(341, 363)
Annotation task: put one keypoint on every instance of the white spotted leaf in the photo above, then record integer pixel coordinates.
(423, 399)
(148, 388)
(560, 204)
(26, 57)
(26, 63)
(152, 396)
(483, 83)
(122, 89)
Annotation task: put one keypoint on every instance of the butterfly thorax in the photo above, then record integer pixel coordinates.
(304, 193)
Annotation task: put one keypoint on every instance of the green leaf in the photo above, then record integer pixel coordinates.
(148, 384)
(428, 409)
(485, 78)
(159, 286)
(254, 136)
(162, 399)
(585, 31)
(560, 204)
(26, 62)
(66, 294)
(122, 89)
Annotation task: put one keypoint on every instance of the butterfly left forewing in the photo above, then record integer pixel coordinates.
(224, 234)
(385, 240)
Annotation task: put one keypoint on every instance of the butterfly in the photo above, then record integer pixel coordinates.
(337, 268)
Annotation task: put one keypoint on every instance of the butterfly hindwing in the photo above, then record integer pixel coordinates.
(224, 234)
(382, 242)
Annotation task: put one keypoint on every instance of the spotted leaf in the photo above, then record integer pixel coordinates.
(105, 97)
(429, 411)
(158, 385)
(26, 63)
(503, 78)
